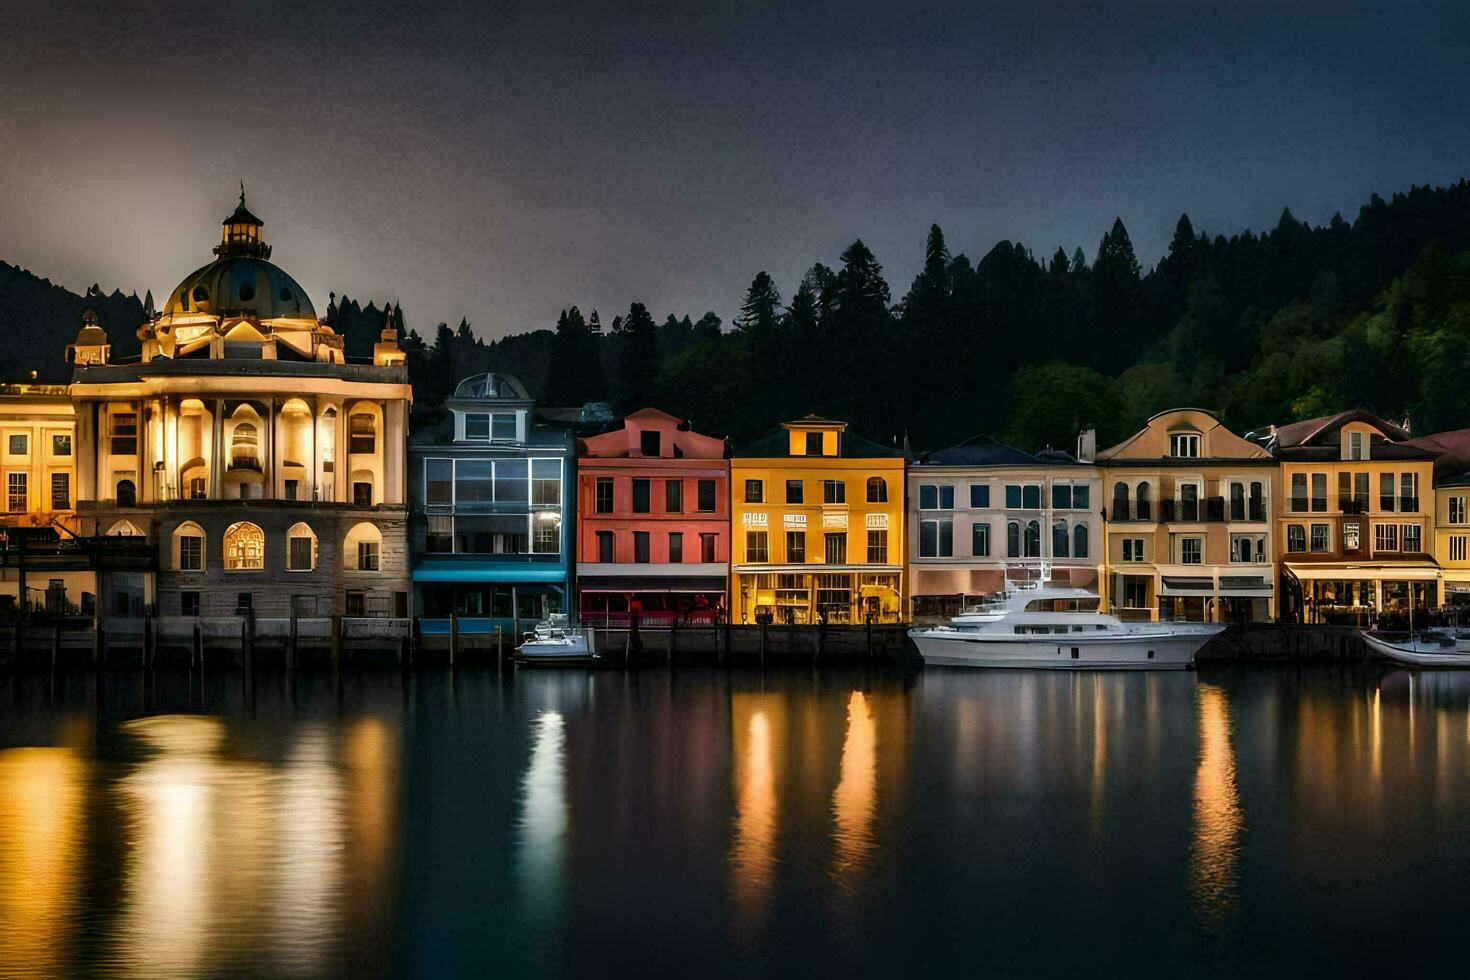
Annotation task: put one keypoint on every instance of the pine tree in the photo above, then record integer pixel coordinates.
(761, 310)
(640, 360)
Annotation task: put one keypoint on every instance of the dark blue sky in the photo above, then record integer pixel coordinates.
(504, 161)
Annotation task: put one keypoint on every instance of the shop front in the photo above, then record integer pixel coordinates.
(1388, 596)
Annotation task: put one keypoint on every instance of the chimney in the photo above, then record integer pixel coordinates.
(1087, 445)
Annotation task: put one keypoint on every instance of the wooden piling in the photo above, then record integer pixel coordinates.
(453, 637)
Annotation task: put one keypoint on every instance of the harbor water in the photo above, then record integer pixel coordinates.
(1276, 820)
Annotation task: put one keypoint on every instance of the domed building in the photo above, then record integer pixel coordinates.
(264, 467)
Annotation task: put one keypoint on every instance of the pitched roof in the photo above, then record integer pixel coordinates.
(980, 451)
(1295, 434)
(1452, 452)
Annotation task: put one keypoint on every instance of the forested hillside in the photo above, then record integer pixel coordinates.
(1289, 323)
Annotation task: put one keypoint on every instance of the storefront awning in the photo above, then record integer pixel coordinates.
(508, 575)
(1364, 573)
(1231, 587)
(650, 583)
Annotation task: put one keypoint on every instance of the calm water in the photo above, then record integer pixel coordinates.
(1277, 820)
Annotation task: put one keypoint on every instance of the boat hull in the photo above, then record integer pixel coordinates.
(1141, 651)
(1411, 654)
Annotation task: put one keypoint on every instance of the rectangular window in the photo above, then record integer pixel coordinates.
(512, 483)
(1133, 549)
(673, 496)
(835, 552)
(546, 482)
(355, 603)
(649, 443)
(191, 553)
(1457, 510)
(1352, 536)
(1031, 496)
(794, 492)
(1319, 537)
(979, 495)
(1243, 547)
(642, 495)
(291, 488)
(1360, 492)
(707, 548)
(61, 444)
(603, 496)
(19, 444)
(936, 539)
(980, 540)
(877, 547)
(1061, 496)
(946, 498)
(1457, 546)
(676, 545)
(1385, 537)
(439, 481)
(1355, 446)
(1319, 493)
(1296, 538)
(439, 534)
(362, 494)
(367, 556)
(814, 444)
(60, 491)
(503, 427)
(1408, 493)
(706, 501)
(1412, 540)
(640, 547)
(189, 603)
(1191, 551)
(1184, 445)
(757, 547)
(755, 492)
(928, 496)
(545, 534)
(298, 554)
(477, 426)
(796, 547)
(125, 434)
(1299, 493)
(1385, 492)
(605, 547)
(1081, 496)
(362, 434)
(834, 492)
(16, 485)
(1013, 496)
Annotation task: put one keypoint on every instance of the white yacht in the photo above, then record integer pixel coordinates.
(1032, 625)
(555, 643)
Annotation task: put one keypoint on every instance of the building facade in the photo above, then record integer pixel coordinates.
(982, 512)
(1189, 531)
(1356, 521)
(653, 528)
(817, 525)
(1451, 549)
(265, 472)
(492, 512)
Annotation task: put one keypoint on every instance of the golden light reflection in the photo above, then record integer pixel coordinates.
(541, 841)
(309, 810)
(1375, 735)
(855, 801)
(755, 718)
(1215, 851)
(41, 796)
(1099, 757)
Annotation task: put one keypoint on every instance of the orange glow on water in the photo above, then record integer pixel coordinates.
(855, 801)
(1215, 851)
(757, 722)
(41, 796)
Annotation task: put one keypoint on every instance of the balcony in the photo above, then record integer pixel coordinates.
(1352, 505)
(1192, 511)
(1408, 505)
(1253, 510)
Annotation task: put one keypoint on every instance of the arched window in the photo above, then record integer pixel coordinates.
(1079, 541)
(1013, 540)
(362, 549)
(127, 494)
(244, 547)
(1033, 540)
(124, 529)
(877, 490)
(1120, 501)
(245, 447)
(1145, 505)
(300, 548)
(188, 547)
(1060, 543)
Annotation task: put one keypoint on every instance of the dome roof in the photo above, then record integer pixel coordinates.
(492, 387)
(241, 285)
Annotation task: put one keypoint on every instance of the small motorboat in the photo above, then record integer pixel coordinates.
(1429, 648)
(555, 643)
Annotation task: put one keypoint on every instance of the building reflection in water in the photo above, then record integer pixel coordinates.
(42, 794)
(855, 801)
(1214, 855)
(542, 829)
(758, 722)
(309, 829)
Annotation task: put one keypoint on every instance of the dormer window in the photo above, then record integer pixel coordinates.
(814, 444)
(490, 426)
(1357, 445)
(1184, 445)
(649, 443)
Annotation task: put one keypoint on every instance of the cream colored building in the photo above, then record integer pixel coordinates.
(266, 470)
(1188, 530)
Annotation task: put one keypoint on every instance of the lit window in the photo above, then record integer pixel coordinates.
(878, 491)
(16, 498)
(362, 433)
(244, 545)
(19, 444)
(61, 444)
(60, 491)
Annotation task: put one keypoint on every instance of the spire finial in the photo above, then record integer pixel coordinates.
(242, 192)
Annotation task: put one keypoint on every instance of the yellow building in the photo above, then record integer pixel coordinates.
(1188, 531)
(818, 521)
(1451, 548)
(38, 454)
(1355, 522)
